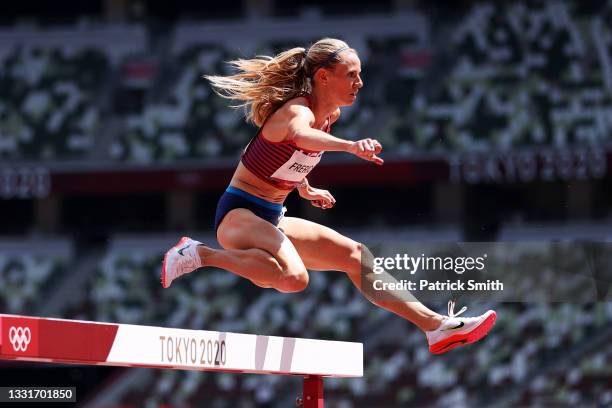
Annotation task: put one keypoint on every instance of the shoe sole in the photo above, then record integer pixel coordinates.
(476, 334)
(163, 273)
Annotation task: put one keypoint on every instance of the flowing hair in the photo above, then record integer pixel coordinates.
(263, 84)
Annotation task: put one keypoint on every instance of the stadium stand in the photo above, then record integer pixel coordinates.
(503, 77)
(52, 84)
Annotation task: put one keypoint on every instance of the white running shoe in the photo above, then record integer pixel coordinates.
(179, 260)
(459, 331)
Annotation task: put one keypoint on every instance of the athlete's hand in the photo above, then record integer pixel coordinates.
(367, 149)
(318, 197)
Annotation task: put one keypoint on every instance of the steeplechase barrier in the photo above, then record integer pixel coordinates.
(27, 338)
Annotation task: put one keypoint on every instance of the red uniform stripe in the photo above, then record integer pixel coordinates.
(281, 155)
(257, 169)
(276, 160)
(263, 161)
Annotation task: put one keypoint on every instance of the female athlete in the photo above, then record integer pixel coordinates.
(294, 98)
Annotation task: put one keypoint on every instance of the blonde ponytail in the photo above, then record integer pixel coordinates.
(263, 84)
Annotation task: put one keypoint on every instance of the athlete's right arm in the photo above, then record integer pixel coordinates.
(303, 135)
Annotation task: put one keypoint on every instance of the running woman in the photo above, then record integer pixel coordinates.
(294, 98)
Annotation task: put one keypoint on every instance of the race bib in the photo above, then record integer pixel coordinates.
(297, 167)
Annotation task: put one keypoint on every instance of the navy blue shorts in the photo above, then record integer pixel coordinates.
(236, 198)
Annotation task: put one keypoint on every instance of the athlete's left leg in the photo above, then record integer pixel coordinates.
(323, 249)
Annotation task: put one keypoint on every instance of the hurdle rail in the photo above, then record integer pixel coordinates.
(27, 338)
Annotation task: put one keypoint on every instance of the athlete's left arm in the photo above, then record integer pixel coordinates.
(317, 197)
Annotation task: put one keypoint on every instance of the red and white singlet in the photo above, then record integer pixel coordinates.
(282, 164)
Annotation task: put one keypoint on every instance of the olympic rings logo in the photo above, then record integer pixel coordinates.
(20, 338)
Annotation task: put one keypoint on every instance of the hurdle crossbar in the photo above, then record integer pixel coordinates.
(38, 339)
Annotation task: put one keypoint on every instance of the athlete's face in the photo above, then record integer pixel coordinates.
(344, 80)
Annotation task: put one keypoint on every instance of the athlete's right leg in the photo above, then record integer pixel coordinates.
(259, 251)
(252, 248)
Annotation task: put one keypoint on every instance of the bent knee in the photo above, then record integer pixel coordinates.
(356, 257)
(357, 249)
(296, 282)
(231, 238)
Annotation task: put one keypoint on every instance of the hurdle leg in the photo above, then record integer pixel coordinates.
(312, 394)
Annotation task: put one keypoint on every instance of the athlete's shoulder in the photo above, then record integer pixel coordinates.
(299, 106)
(299, 102)
(295, 107)
(294, 112)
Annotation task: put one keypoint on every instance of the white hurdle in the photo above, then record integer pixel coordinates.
(38, 339)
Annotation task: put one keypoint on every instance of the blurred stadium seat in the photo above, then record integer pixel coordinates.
(492, 78)
(52, 88)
